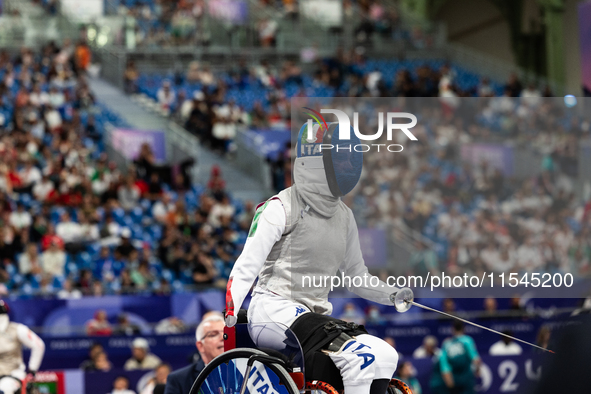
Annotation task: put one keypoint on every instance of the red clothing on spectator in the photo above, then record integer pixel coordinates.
(15, 180)
(48, 239)
(215, 181)
(98, 328)
(142, 185)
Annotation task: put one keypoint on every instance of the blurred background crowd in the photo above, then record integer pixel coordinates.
(496, 183)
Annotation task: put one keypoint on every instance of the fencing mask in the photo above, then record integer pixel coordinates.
(326, 161)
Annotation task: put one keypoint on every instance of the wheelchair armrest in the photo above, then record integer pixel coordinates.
(230, 332)
(242, 317)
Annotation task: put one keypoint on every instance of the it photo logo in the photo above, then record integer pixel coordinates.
(317, 125)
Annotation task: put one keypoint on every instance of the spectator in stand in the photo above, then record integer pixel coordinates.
(158, 382)
(170, 325)
(97, 289)
(166, 96)
(514, 86)
(543, 338)
(490, 309)
(130, 78)
(162, 209)
(516, 307)
(43, 190)
(89, 232)
(29, 176)
(125, 247)
(70, 232)
(220, 210)
(93, 351)
(121, 386)
(102, 363)
(20, 219)
(449, 306)
(352, 314)
(141, 358)
(54, 260)
(142, 275)
(145, 163)
(204, 271)
(154, 192)
(30, 263)
(99, 325)
(407, 373)
(210, 344)
(126, 284)
(428, 349)
(216, 183)
(68, 292)
(85, 282)
(505, 347)
(129, 194)
(125, 327)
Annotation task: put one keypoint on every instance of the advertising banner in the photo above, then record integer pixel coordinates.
(266, 143)
(129, 142)
(495, 155)
(234, 11)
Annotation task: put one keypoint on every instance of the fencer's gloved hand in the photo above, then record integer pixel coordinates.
(402, 299)
(230, 320)
(31, 372)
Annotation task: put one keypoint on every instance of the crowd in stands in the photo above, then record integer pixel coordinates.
(477, 217)
(188, 22)
(72, 222)
(77, 225)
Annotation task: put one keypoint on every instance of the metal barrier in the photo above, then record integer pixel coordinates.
(495, 68)
(113, 63)
(258, 166)
(181, 145)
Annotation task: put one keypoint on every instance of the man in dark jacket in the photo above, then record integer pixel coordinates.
(210, 344)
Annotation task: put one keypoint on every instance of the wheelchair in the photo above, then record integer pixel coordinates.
(251, 370)
(24, 386)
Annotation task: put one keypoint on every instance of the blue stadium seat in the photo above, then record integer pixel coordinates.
(177, 287)
(118, 215)
(71, 269)
(137, 215)
(93, 248)
(156, 231)
(84, 260)
(58, 282)
(128, 221)
(168, 275)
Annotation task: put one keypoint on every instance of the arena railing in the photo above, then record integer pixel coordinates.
(34, 31)
(494, 68)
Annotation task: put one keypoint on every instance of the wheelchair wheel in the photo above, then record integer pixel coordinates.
(398, 387)
(318, 387)
(225, 374)
(18, 384)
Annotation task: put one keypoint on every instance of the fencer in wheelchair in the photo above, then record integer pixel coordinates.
(297, 239)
